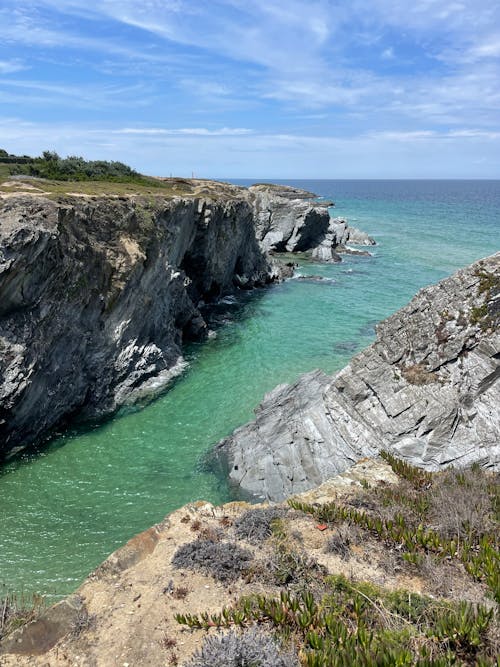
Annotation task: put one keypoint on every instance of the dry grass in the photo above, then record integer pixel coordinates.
(418, 374)
(147, 186)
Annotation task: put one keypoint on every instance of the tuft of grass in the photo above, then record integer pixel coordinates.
(478, 314)
(418, 374)
(16, 611)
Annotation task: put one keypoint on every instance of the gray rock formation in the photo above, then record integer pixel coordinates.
(428, 389)
(290, 220)
(97, 295)
(335, 241)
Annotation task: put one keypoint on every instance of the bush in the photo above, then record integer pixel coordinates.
(72, 168)
(340, 543)
(462, 503)
(256, 525)
(251, 648)
(225, 561)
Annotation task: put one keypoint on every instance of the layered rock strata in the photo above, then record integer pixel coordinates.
(291, 220)
(97, 295)
(427, 389)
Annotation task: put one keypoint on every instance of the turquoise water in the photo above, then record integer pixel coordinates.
(65, 509)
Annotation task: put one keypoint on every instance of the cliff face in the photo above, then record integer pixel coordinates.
(428, 389)
(98, 293)
(291, 220)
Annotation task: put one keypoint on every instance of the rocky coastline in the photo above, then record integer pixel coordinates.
(98, 293)
(428, 390)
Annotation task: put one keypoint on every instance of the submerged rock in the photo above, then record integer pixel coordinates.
(428, 389)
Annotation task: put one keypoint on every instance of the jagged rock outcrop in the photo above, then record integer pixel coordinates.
(98, 293)
(291, 220)
(338, 235)
(427, 389)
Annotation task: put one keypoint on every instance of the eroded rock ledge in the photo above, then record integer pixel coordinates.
(428, 389)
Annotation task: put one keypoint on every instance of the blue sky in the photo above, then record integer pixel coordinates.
(256, 88)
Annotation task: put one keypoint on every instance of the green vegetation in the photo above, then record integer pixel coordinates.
(487, 316)
(256, 525)
(72, 168)
(16, 611)
(361, 624)
(53, 176)
(437, 524)
(461, 505)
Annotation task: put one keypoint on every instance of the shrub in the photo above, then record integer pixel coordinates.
(461, 504)
(251, 648)
(339, 544)
(256, 525)
(225, 561)
(72, 168)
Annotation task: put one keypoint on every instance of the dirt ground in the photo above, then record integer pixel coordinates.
(123, 614)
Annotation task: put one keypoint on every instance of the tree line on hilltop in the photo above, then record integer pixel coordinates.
(72, 168)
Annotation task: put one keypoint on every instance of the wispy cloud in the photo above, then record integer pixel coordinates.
(226, 152)
(184, 73)
(187, 131)
(10, 66)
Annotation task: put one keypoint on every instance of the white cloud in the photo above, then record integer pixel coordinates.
(463, 153)
(10, 66)
(192, 131)
(198, 65)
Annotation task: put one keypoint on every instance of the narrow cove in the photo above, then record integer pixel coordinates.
(64, 510)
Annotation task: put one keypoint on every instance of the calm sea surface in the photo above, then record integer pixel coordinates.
(64, 510)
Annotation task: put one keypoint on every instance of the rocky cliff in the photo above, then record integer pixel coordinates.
(292, 220)
(97, 295)
(427, 389)
(98, 292)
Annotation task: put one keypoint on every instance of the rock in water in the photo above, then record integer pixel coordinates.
(291, 220)
(427, 389)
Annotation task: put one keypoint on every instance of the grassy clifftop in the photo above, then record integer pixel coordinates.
(52, 176)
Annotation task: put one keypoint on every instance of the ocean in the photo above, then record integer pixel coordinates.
(64, 509)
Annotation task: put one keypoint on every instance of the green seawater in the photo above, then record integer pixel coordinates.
(63, 510)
